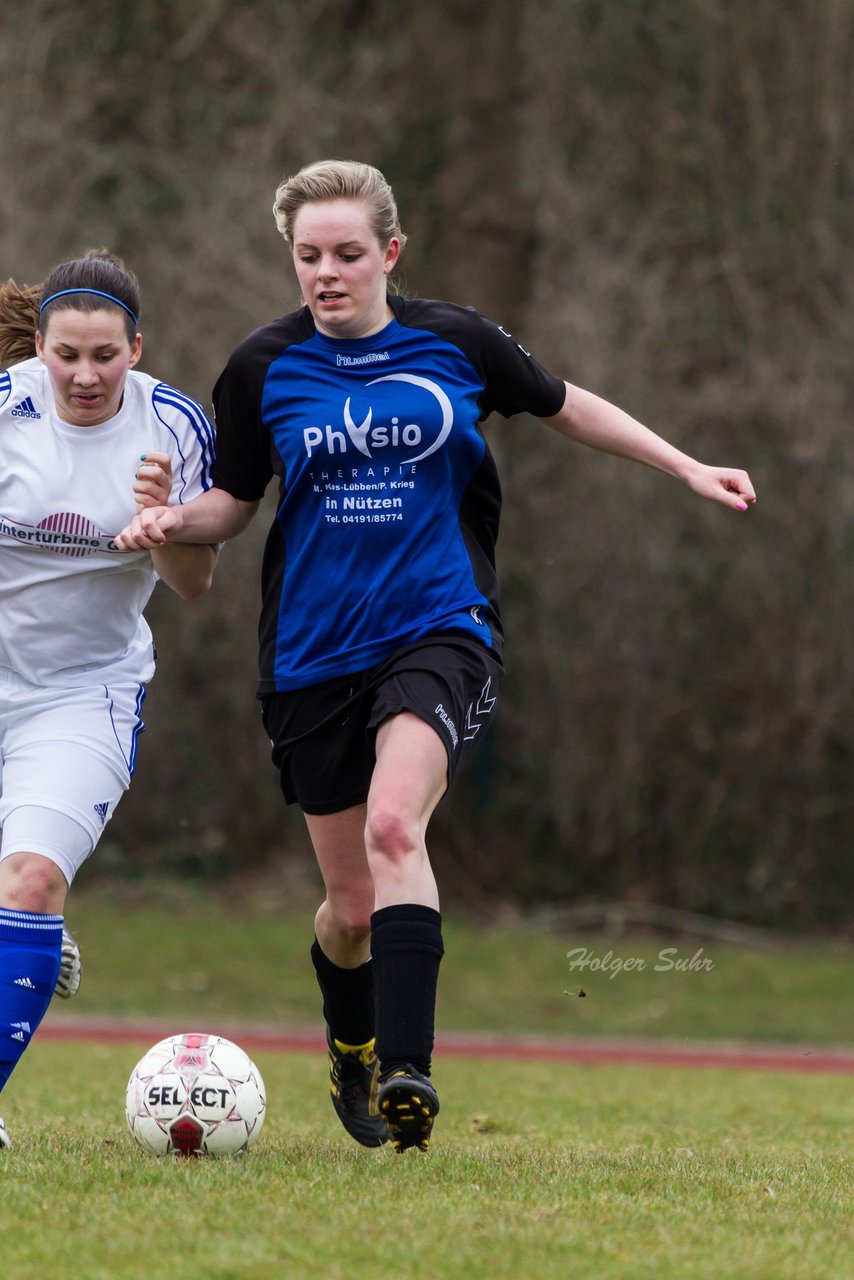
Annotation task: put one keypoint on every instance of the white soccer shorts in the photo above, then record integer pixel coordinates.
(66, 759)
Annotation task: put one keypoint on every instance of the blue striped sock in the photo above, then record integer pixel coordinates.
(30, 953)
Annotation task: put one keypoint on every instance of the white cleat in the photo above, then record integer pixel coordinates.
(70, 967)
(5, 1140)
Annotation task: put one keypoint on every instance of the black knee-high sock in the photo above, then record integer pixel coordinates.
(348, 997)
(406, 944)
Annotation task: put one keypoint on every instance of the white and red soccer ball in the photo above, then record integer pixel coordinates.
(195, 1095)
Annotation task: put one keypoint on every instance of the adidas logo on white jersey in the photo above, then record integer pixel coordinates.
(26, 409)
(24, 982)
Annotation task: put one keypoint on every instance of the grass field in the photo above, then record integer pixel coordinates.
(206, 959)
(537, 1170)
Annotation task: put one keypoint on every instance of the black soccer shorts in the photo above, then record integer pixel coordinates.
(323, 736)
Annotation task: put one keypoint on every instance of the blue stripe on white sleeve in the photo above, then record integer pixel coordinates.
(201, 426)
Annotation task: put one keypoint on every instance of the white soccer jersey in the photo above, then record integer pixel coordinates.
(70, 603)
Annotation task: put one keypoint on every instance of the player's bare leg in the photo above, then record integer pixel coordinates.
(31, 882)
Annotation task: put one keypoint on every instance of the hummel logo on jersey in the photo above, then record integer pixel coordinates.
(101, 810)
(24, 982)
(26, 409)
(372, 357)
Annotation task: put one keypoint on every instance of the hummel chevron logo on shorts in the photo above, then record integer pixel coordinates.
(476, 714)
(24, 982)
(26, 409)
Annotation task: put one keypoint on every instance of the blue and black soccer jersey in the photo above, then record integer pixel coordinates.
(389, 498)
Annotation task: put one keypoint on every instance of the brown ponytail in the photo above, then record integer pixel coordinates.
(19, 319)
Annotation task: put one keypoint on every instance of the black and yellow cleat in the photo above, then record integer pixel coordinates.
(354, 1073)
(409, 1104)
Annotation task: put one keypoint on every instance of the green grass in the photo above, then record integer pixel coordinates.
(197, 959)
(603, 1174)
(594, 1173)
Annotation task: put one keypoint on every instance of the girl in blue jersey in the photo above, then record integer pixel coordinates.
(380, 636)
(85, 440)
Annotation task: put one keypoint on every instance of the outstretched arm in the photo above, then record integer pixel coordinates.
(589, 420)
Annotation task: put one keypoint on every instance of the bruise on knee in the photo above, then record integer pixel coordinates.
(31, 882)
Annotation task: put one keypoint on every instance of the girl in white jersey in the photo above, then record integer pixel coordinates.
(380, 633)
(85, 440)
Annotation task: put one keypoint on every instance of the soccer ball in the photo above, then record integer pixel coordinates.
(195, 1095)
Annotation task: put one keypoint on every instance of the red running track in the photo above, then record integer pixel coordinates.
(589, 1050)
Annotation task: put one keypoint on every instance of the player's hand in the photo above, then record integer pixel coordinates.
(152, 484)
(722, 484)
(150, 529)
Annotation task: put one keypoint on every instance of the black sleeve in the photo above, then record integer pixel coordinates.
(244, 462)
(243, 466)
(513, 381)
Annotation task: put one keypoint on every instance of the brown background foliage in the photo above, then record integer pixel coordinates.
(656, 198)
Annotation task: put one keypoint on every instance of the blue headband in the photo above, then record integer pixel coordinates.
(64, 292)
